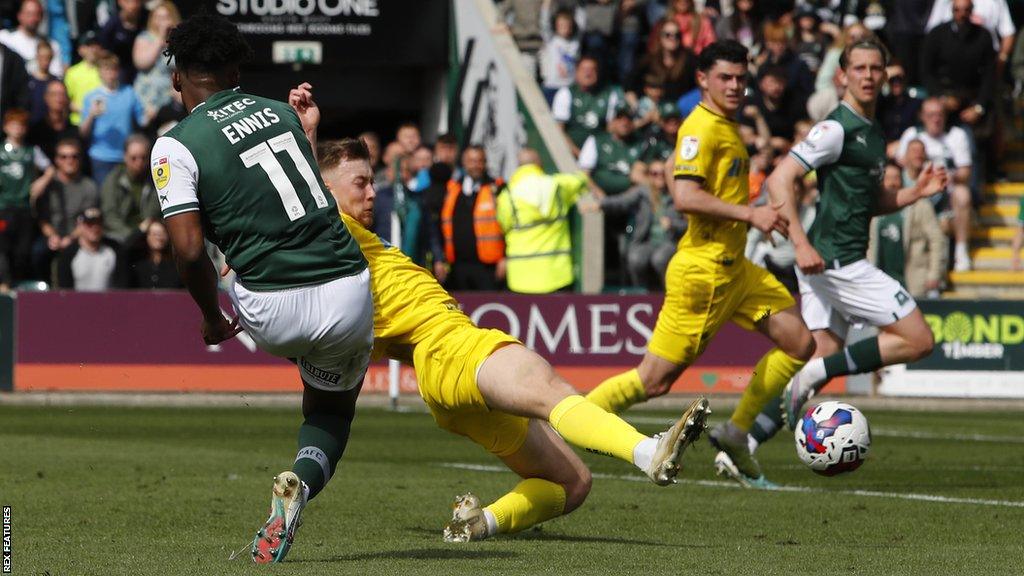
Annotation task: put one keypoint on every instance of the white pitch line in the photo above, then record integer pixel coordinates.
(880, 432)
(800, 489)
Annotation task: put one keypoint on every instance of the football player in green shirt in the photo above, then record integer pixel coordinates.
(838, 286)
(239, 171)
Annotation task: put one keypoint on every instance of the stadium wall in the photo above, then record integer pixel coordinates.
(149, 342)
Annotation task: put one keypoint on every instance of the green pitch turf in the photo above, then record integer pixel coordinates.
(174, 491)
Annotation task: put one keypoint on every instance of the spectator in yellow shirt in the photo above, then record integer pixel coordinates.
(83, 77)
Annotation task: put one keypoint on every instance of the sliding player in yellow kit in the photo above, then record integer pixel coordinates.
(709, 281)
(484, 384)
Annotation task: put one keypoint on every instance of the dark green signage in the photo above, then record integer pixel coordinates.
(974, 335)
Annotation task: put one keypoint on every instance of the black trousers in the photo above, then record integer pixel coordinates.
(473, 276)
(16, 231)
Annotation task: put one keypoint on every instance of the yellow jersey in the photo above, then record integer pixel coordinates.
(409, 305)
(709, 149)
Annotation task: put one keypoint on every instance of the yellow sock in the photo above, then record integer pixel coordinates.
(771, 375)
(586, 425)
(619, 392)
(531, 502)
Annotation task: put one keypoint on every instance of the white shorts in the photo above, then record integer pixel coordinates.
(326, 328)
(853, 294)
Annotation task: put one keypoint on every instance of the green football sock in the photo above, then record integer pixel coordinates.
(322, 440)
(768, 422)
(857, 358)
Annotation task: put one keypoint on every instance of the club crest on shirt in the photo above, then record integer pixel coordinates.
(161, 172)
(688, 147)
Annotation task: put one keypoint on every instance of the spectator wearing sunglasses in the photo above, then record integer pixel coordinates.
(65, 193)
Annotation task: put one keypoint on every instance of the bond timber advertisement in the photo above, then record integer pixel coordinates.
(149, 341)
(979, 352)
(973, 335)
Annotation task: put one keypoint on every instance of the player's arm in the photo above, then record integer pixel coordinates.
(823, 145)
(300, 99)
(932, 180)
(694, 155)
(175, 176)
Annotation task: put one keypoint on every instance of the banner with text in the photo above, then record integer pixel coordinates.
(149, 341)
(979, 352)
(337, 32)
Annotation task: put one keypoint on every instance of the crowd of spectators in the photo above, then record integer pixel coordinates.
(83, 94)
(632, 80)
(84, 91)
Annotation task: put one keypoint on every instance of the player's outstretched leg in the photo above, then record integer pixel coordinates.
(654, 377)
(906, 340)
(619, 392)
(555, 482)
(322, 440)
(771, 419)
(771, 374)
(287, 500)
(518, 381)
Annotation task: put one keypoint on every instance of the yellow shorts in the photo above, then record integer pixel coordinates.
(698, 301)
(446, 369)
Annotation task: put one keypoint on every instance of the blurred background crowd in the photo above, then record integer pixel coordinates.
(84, 91)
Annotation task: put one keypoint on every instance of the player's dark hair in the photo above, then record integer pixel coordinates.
(890, 163)
(208, 43)
(448, 138)
(334, 152)
(869, 43)
(724, 50)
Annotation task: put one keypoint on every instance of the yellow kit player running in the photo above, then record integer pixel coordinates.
(484, 384)
(709, 281)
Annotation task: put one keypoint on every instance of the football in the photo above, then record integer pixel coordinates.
(832, 438)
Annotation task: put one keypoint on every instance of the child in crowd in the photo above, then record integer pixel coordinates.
(18, 167)
(559, 54)
(649, 105)
(112, 113)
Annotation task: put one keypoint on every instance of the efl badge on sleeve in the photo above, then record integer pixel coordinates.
(161, 172)
(688, 148)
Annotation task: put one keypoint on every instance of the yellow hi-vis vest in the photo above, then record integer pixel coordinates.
(534, 213)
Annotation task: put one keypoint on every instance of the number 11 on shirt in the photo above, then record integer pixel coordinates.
(263, 154)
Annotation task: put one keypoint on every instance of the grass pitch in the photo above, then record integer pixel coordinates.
(174, 491)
